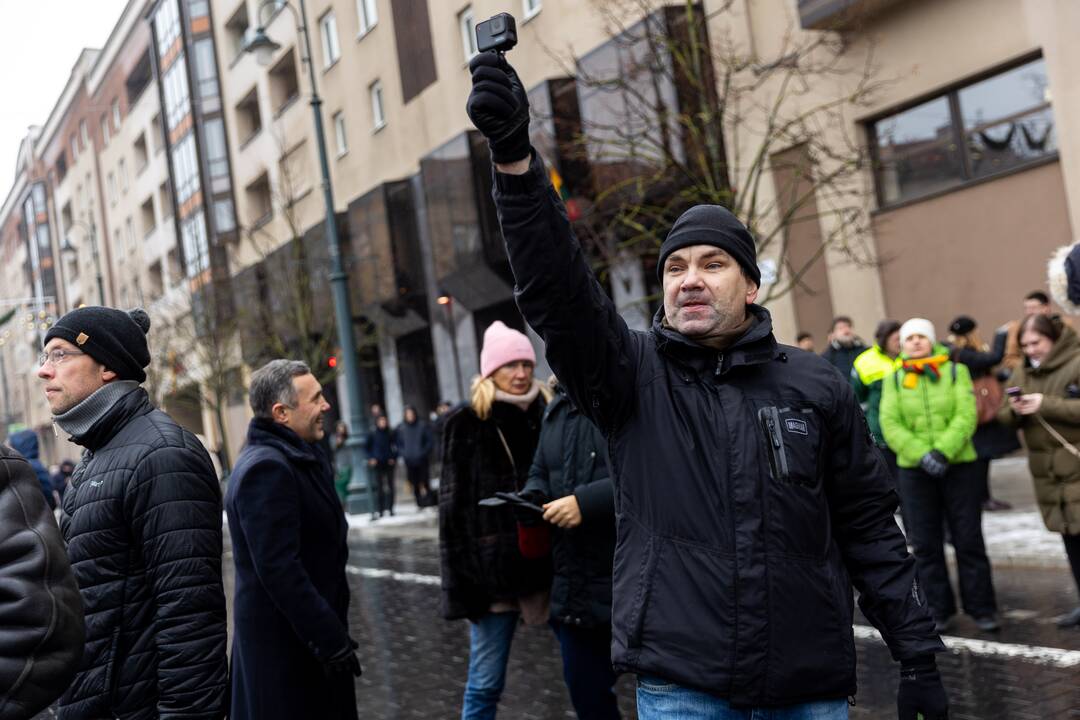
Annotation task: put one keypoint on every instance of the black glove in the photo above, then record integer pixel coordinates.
(344, 662)
(499, 108)
(934, 464)
(921, 695)
(525, 516)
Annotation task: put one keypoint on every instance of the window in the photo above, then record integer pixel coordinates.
(116, 113)
(146, 216)
(123, 177)
(339, 133)
(284, 86)
(206, 75)
(217, 158)
(978, 130)
(194, 244)
(531, 7)
(129, 227)
(74, 149)
(259, 201)
(165, 196)
(84, 134)
(365, 10)
(378, 115)
(118, 243)
(248, 120)
(156, 140)
(185, 168)
(167, 25)
(111, 185)
(105, 128)
(331, 51)
(175, 90)
(468, 32)
(236, 30)
(142, 158)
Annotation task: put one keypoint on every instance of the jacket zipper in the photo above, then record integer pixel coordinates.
(926, 407)
(719, 364)
(770, 423)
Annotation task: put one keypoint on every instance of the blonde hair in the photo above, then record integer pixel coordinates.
(483, 391)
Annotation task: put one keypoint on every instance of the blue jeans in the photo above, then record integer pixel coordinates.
(658, 699)
(489, 651)
(586, 655)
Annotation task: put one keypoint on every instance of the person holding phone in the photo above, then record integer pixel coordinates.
(570, 478)
(928, 418)
(489, 446)
(1044, 402)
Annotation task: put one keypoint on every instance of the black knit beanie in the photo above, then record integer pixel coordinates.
(712, 225)
(114, 338)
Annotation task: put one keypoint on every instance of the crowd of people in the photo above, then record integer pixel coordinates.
(694, 504)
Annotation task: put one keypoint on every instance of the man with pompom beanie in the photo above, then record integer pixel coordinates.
(142, 520)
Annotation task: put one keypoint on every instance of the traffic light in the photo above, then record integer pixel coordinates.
(331, 362)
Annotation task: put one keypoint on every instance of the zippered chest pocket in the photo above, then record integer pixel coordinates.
(793, 441)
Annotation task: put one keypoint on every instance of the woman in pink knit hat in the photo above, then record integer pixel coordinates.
(488, 447)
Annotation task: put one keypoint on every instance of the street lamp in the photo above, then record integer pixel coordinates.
(447, 301)
(67, 247)
(263, 47)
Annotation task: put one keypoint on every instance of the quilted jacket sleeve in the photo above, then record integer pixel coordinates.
(174, 503)
(41, 614)
(862, 502)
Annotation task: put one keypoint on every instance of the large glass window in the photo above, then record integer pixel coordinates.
(167, 25)
(467, 27)
(206, 74)
(217, 157)
(175, 89)
(194, 243)
(185, 168)
(988, 127)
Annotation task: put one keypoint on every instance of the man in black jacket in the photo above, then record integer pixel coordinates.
(749, 494)
(142, 520)
(41, 616)
(292, 655)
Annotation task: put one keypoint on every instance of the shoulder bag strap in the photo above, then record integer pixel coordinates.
(1069, 447)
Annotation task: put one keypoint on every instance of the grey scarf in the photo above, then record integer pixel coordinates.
(77, 421)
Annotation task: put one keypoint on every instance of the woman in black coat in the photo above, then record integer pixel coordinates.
(488, 448)
(570, 478)
(992, 439)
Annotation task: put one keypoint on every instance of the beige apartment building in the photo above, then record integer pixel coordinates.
(970, 165)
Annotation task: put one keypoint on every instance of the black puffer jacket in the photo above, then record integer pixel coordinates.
(749, 494)
(478, 546)
(570, 460)
(143, 524)
(41, 616)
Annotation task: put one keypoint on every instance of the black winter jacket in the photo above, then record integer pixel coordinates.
(478, 546)
(41, 615)
(843, 358)
(750, 496)
(413, 442)
(142, 520)
(290, 612)
(25, 442)
(571, 460)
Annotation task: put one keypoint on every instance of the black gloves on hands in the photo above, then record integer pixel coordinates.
(526, 516)
(344, 662)
(934, 464)
(921, 695)
(499, 108)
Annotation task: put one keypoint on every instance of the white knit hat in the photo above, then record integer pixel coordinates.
(918, 326)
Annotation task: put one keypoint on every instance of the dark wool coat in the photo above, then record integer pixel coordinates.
(379, 446)
(41, 614)
(292, 598)
(414, 442)
(750, 495)
(142, 520)
(571, 460)
(478, 546)
(843, 358)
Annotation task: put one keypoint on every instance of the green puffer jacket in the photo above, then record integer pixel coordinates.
(1056, 473)
(934, 415)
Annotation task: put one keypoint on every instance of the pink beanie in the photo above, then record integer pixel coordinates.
(503, 345)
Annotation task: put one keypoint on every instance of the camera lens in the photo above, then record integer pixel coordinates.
(498, 25)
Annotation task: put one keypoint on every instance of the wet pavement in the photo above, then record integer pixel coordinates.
(415, 662)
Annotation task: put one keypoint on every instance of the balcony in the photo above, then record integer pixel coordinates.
(840, 14)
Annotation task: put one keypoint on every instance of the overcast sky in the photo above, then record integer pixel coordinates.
(40, 40)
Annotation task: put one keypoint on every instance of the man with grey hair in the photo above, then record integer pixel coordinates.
(292, 655)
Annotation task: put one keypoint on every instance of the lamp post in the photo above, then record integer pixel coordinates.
(447, 301)
(91, 232)
(360, 497)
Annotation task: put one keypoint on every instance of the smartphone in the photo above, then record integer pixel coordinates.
(1014, 392)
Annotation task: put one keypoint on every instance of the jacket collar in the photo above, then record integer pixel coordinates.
(113, 420)
(1064, 350)
(262, 431)
(756, 346)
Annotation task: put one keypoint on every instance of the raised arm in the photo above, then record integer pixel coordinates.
(588, 344)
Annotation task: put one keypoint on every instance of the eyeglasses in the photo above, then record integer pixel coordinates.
(56, 357)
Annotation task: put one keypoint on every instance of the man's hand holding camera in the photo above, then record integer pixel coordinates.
(499, 108)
